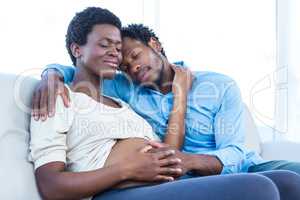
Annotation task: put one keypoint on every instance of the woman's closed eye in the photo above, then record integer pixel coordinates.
(103, 45)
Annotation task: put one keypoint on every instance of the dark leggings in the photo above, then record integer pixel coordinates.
(225, 187)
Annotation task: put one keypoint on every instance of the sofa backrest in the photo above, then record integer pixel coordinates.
(16, 173)
(252, 136)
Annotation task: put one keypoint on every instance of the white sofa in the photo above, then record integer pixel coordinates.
(16, 173)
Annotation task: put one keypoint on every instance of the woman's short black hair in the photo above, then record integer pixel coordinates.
(83, 22)
(141, 33)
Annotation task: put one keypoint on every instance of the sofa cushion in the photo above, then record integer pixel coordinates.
(16, 173)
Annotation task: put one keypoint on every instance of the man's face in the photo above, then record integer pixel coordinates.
(102, 52)
(142, 63)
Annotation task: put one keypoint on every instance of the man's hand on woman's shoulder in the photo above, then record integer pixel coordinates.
(45, 95)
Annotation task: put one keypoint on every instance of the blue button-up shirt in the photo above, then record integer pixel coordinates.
(214, 118)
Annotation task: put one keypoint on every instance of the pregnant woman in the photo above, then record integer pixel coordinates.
(98, 145)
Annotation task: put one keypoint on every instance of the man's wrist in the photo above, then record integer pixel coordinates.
(203, 164)
(190, 162)
(195, 162)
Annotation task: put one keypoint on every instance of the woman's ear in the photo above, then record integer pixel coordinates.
(76, 50)
(155, 44)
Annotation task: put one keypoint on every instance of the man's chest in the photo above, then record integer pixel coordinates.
(156, 109)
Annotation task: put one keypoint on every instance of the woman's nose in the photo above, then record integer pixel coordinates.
(113, 52)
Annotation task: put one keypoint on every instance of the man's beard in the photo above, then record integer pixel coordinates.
(158, 82)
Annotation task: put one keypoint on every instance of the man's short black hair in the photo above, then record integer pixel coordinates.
(141, 33)
(83, 22)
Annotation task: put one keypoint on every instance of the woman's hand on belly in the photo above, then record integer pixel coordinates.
(143, 167)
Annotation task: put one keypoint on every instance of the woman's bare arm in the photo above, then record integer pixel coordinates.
(176, 125)
(55, 183)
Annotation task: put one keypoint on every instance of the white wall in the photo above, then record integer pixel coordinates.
(288, 102)
(235, 37)
(33, 31)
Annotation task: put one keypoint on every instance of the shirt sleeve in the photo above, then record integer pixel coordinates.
(230, 131)
(48, 141)
(66, 71)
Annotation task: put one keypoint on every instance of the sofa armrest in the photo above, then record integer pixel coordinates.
(283, 150)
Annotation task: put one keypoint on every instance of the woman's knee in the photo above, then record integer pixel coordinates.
(240, 186)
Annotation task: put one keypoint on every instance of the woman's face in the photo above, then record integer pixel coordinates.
(102, 52)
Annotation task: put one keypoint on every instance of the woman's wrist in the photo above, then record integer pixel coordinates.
(180, 102)
(181, 94)
(125, 172)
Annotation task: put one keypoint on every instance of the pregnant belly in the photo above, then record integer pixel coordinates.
(122, 149)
